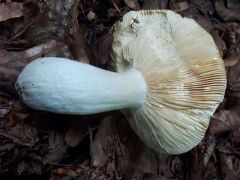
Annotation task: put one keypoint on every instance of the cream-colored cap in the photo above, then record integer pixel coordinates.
(184, 73)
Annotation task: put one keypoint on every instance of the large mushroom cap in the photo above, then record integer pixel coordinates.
(184, 73)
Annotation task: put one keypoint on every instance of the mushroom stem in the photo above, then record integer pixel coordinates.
(65, 86)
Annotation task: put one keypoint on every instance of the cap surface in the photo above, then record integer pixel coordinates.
(184, 73)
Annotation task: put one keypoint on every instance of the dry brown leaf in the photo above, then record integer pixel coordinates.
(232, 60)
(196, 164)
(130, 151)
(53, 22)
(10, 10)
(225, 120)
(12, 63)
(219, 42)
(231, 38)
(30, 166)
(147, 161)
(137, 161)
(155, 4)
(178, 6)
(236, 139)
(236, 165)
(205, 22)
(19, 132)
(57, 148)
(234, 80)
(154, 177)
(81, 51)
(210, 171)
(133, 4)
(75, 134)
(208, 151)
(233, 5)
(226, 13)
(177, 167)
(17, 60)
(103, 47)
(103, 140)
(226, 167)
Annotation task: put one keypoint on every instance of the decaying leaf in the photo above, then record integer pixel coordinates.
(226, 13)
(234, 80)
(178, 6)
(80, 50)
(232, 60)
(11, 63)
(155, 4)
(226, 167)
(103, 139)
(225, 120)
(147, 162)
(53, 22)
(10, 10)
(75, 134)
(211, 143)
(57, 148)
(133, 4)
(236, 139)
(102, 48)
(219, 41)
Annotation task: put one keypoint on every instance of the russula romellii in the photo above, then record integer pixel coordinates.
(169, 80)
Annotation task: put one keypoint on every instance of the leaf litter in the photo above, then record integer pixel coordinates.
(50, 146)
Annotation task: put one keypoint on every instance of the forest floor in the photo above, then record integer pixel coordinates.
(42, 145)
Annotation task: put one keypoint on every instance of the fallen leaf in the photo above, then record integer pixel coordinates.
(154, 177)
(196, 164)
(177, 167)
(209, 150)
(231, 37)
(233, 80)
(81, 51)
(147, 161)
(103, 139)
(236, 165)
(211, 171)
(19, 132)
(10, 10)
(155, 4)
(178, 6)
(29, 166)
(102, 48)
(53, 22)
(75, 134)
(225, 120)
(12, 63)
(226, 167)
(236, 139)
(219, 41)
(226, 13)
(232, 60)
(133, 4)
(57, 148)
(233, 5)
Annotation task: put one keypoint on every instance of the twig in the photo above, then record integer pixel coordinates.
(114, 4)
(16, 140)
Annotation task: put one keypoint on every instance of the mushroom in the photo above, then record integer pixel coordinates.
(169, 79)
